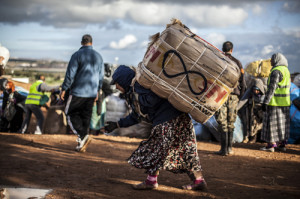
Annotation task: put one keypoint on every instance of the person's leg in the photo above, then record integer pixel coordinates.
(231, 118)
(36, 110)
(75, 107)
(149, 183)
(73, 115)
(4, 125)
(16, 122)
(198, 181)
(26, 121)
(221, 118)
(86, 114)
(281, 145)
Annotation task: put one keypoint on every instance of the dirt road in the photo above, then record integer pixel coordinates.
(50, 162)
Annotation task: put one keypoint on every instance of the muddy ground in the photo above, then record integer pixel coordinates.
(50, 162)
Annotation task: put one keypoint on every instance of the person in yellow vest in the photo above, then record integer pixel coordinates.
(276, 105)
(32, 104)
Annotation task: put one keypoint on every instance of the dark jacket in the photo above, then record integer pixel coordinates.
(258, 83)
(18, 99)
(159, 110)
(241, 87)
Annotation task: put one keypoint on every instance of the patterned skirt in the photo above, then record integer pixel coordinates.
(276, 124)
(171, 146)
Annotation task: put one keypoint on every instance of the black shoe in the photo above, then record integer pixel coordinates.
(222, 153)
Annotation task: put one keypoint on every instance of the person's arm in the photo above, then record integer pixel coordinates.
(71, 72)
(129, 120)
(123, 122)
(275, 78)
(19, 98)
(242, 81)
(244, 98)
(43, 87)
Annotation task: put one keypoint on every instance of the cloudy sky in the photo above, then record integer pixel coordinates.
(121, 28)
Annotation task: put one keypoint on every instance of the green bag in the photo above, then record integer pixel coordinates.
(44, 99)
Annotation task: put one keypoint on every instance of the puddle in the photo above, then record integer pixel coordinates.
(25, 193)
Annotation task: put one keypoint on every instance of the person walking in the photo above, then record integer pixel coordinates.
(83, 80)
(276, 105)
(227, 114)
(33, 104)
(172, 143)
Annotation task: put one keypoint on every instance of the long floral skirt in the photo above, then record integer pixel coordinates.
(171, 146)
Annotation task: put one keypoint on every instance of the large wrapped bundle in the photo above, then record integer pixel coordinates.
(260, 68)
(192, 74)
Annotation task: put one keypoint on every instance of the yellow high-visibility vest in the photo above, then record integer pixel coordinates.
(34, 96)
(282, 93)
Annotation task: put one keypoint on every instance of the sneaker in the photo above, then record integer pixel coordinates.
(270, 149)
(202, 186)
(38, 131)
(281, 148)
(82, 144)
(222, 153)
(144, 186)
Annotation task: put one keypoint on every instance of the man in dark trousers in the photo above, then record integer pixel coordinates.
(83, 79)
(33, 104)
(227, 114)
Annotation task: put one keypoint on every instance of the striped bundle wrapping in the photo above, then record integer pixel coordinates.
(193, 75)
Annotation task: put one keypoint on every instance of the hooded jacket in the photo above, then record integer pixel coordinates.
(276, 76)
(159, 110)
(249, 93)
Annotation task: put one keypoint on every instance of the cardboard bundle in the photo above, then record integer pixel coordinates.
(260, 68)
(193, 75)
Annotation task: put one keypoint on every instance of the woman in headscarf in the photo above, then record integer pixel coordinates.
(276, 105)
(12, 98)
(172, 143)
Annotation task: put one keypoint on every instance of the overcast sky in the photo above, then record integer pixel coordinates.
(121, 28)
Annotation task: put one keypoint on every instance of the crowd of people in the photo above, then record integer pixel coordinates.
(172, 144)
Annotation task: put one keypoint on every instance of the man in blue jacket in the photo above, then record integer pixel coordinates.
(83, 80)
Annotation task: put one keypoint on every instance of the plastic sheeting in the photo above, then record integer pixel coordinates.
(97, 121)
(208, 130)
(115, 108)
(295, 117)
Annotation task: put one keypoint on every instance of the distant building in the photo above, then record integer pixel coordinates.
(35, 63)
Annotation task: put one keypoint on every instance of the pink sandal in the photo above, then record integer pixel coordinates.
(144, 186)
(202, 186)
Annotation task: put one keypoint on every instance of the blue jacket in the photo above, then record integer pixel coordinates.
(85, 72)
(158, 109)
